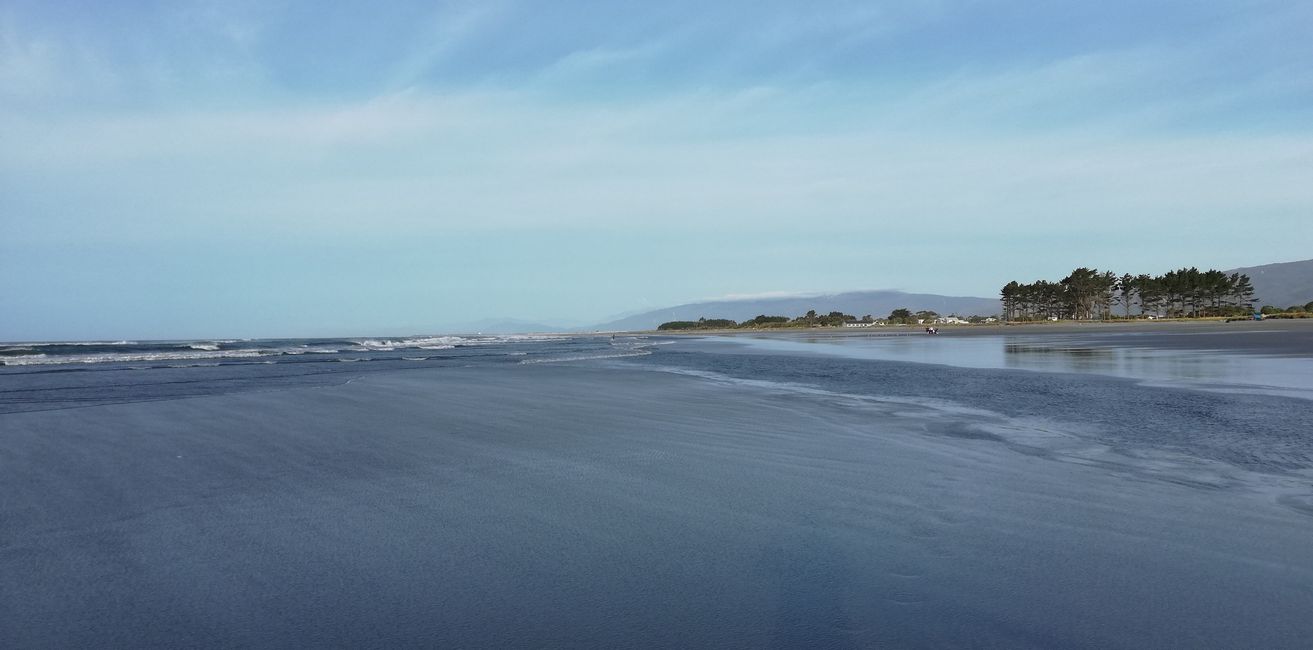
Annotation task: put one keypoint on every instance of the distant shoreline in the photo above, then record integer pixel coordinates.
(1032, 327)
(1286, 337)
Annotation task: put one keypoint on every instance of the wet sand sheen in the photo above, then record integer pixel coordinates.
(563, 505)
(1272, 357)
(1283, 337)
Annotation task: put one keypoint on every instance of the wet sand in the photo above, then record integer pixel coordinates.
(610, 506)
(1291, 337)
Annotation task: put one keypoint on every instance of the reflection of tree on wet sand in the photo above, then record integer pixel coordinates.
(1192, 365)
(1074, 358)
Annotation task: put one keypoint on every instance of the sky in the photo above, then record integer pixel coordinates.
(282, 168)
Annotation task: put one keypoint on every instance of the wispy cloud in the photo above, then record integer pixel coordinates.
(449, 27)
(904, 137)
(38, 67)
(418, 163)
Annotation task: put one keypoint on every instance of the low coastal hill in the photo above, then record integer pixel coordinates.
(878, 303)
(1279, 285)
(1283, 284)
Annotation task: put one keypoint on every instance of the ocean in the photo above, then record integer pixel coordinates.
(1060, 488)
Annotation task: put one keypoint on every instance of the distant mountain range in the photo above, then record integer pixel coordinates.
(1281, 285)
(857, 303)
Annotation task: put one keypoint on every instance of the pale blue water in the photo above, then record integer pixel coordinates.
(1169, 359)
(655, 493)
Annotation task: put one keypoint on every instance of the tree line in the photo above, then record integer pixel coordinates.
(810, 319)
(901, 316)
(1088, 293)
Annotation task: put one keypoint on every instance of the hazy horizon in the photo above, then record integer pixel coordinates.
(467, 327)
(189, 170)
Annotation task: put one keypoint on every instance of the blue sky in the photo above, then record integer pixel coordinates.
(181, 169)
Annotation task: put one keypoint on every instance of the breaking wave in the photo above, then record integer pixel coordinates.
(93, 352)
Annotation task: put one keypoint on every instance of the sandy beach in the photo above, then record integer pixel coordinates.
(1274, 336)
(653, 493)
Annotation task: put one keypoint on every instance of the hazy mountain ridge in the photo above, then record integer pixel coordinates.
(1282, 284)
(857, 303)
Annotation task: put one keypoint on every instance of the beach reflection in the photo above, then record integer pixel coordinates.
(1063, 359)
(1209, 369)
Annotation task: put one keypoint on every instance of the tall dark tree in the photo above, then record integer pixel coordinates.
(1088, 293)
(1151, 294)
(1104, 288)
(1085, 292)
(1126, 290)
(1010, 294)
(1243, 291)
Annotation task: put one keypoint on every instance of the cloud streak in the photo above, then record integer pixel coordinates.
(638, 138)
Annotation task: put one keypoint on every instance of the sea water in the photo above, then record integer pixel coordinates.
(642, 492)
